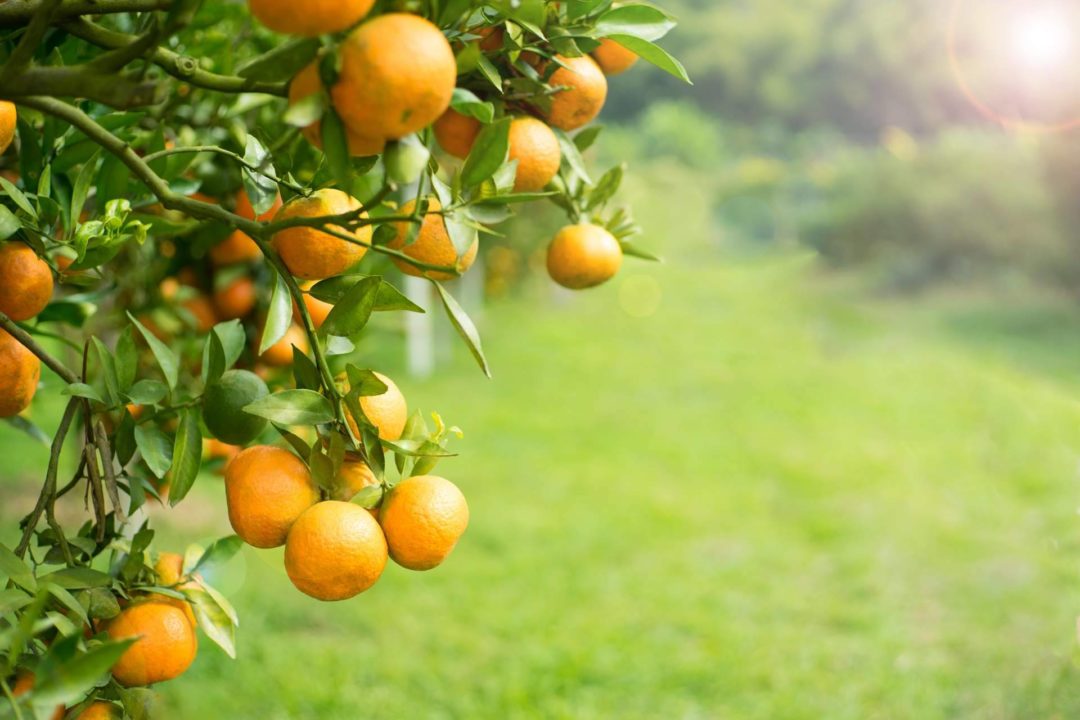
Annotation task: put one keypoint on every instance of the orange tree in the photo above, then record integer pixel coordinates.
(198, 207)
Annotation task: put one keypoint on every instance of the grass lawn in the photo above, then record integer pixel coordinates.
(759, 502)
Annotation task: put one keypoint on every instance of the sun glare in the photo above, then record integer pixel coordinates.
(1043, 39)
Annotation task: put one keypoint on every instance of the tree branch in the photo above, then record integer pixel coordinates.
(179, 66)
(79, 81)
(28, 342)
(49, 489)
(14, 13)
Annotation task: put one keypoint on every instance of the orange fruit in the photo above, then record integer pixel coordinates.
(491, 38)
(354, 476)
(280, 353)
(202, 310)
(613, 58)
(423, 517)
(397, 76)
(238, 246)
(535, 147)
(307, 82)
(217, 450)
(431, 245)
(20, 371)
(165, 647)
(7, 124)
(26, 282)
(24, 682)
(100, 711)
(583, 256)
(335, 551)
(311, 18)
(456, 133)
(170, 569)
(388, 412)
(311, 253)
(235, 300)
(583, 94)
(317, 309)
(266, 489)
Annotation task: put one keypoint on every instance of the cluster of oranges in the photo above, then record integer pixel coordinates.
(26, 289)
(397, 76)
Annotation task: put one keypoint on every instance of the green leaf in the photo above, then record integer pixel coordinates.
(166, 358)
(66, 683)
(220, 552)
(464, 326)
(83, 182)
(352, 311)
(606, 188)
(213, 619)
(304, 371)
(261, 190)
(632, 250)
(156, 449)
(293, 407)
(65, 311)
(66, 599)
(84, 391)
(281, 63)
(654, 54)
(571, 157)
(16, 570)
(335, 144)
(9, 224)
(76, 578)
(20, 423)
(467, 103)
(640, 21)
(18, 197)
(12, 600)
(389, 297)
(187, 456)
(279, 316)
(147, 392)
(488, 154)
(585, 138)
(127, 359)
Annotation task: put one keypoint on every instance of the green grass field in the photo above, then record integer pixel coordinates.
(764, 500)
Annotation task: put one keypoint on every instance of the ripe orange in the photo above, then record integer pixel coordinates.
(532, 144)
(311, 253)
(202, 310)
(20, 371)
(165, 648)
(238, 247)
(535, 147)
(24, 682)
(266, 489)
(7, 124)
(307, 82)
(491, 38)
(26, 282)
(431, 245)
(100, 711)
(354, 476)
(388, 412)
(613, 58)
(456, 133)
(423, 517)
(235, 300)
(335, 551)
(280, 353)
(217, 450)
(317, 309)
(583, 94)
(397, 76)
(582, 256)
(170, 569)
(311, 18)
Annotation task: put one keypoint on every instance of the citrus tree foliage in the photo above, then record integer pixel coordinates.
(156, 143)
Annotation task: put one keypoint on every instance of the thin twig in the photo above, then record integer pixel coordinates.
(50, 476)
(110, 474)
